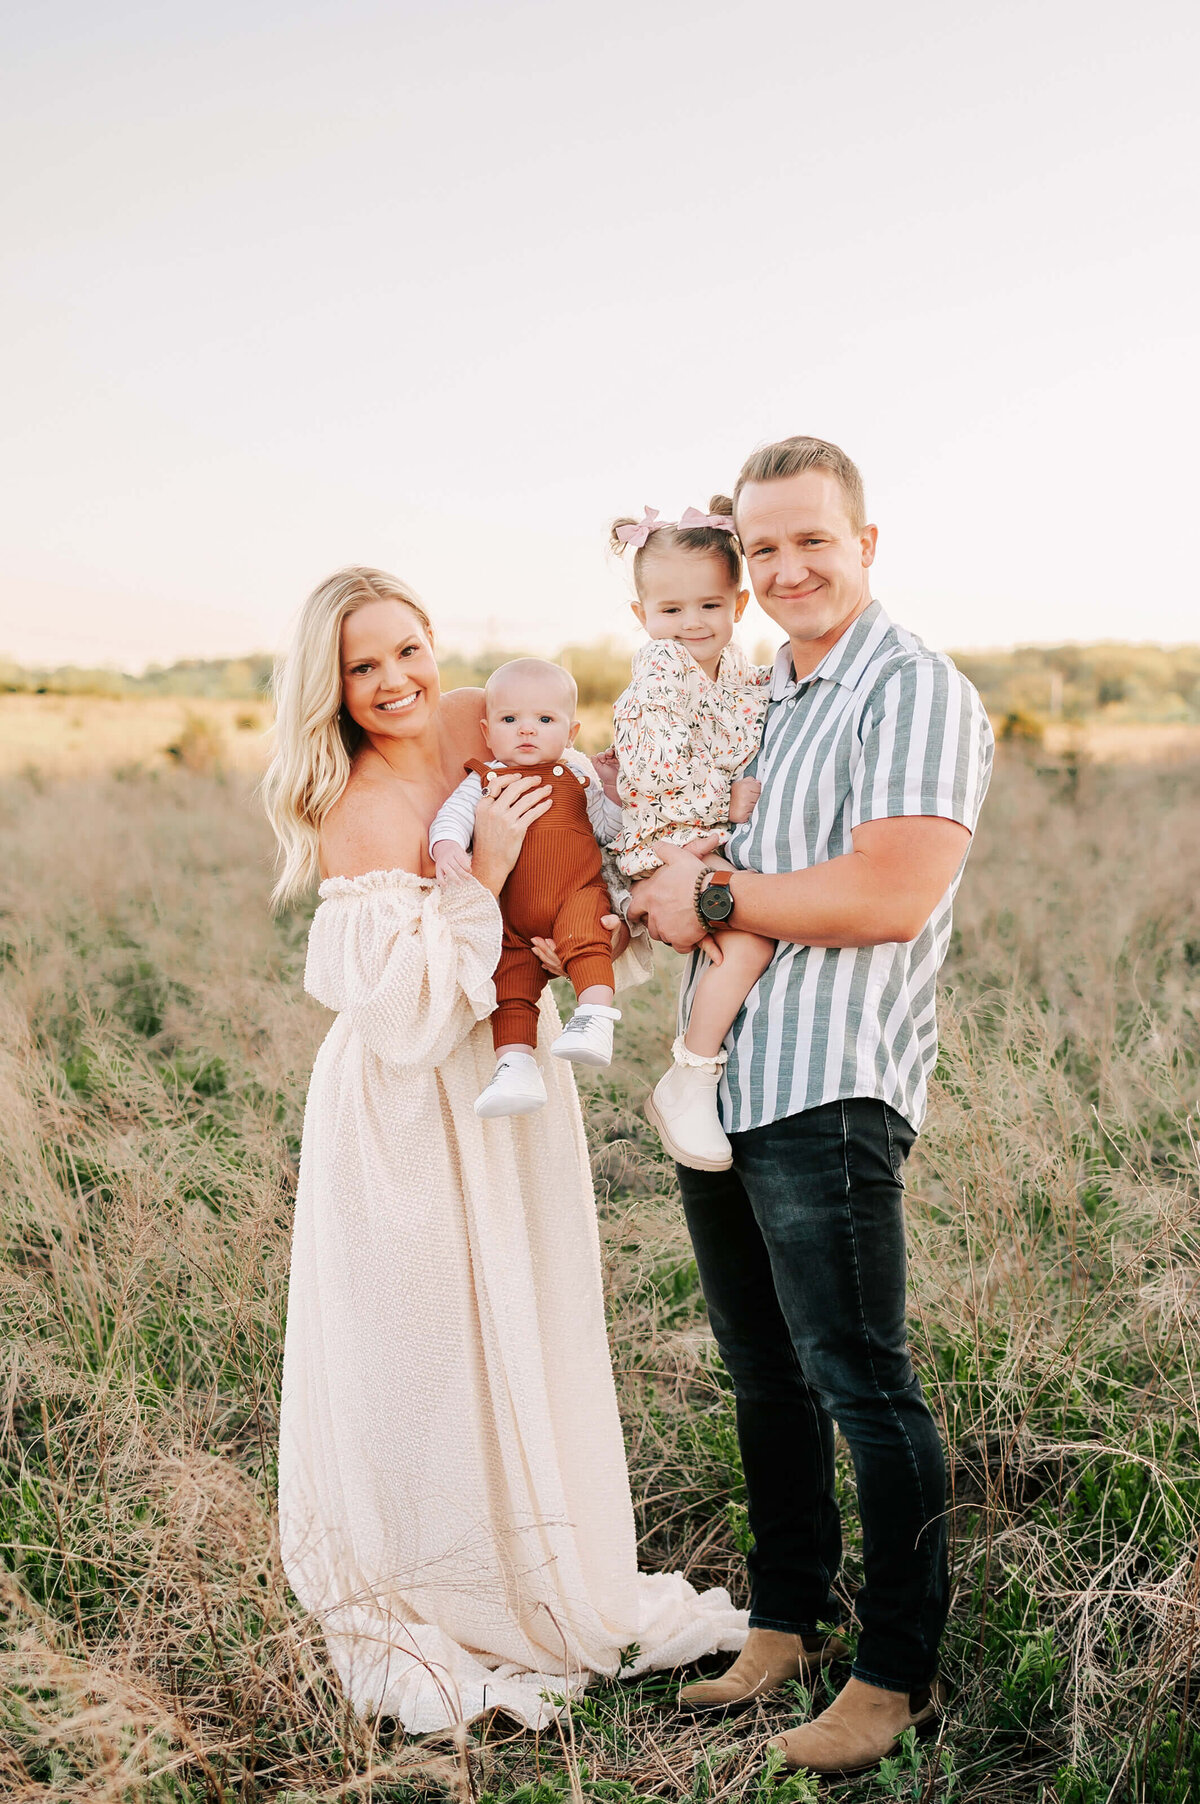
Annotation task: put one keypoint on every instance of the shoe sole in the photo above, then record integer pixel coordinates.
(693, 1161)
(717, 1711)
(582, 1057)
(925, 1729)
(522, 1107)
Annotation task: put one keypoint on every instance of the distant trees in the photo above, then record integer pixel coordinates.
(1031, 684)
(600, 669)
(1083, 682)
(231, 679)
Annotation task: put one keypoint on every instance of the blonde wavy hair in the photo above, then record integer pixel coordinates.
(315, 739)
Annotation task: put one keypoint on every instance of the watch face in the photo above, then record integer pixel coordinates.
(716, 903)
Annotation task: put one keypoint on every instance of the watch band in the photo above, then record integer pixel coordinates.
(709, 880)
(701, 880)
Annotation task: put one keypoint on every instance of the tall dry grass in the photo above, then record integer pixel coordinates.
(83, 736)
(154, 1049)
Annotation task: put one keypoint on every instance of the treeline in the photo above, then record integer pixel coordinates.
(1107, 680)
(231, 679)
(601, 670)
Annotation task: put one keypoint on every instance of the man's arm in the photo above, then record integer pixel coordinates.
(884, 890)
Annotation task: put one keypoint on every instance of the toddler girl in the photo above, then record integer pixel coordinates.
(554, 891)
(689, 721)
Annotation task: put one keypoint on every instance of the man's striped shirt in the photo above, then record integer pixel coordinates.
(882, 727)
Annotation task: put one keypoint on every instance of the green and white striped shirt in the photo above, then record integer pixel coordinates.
(882, 727)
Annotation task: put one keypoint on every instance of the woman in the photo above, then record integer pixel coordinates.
(453, 1497)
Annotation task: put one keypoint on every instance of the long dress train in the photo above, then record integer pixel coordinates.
(453, 1496)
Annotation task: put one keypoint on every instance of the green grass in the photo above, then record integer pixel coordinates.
(154, 1051)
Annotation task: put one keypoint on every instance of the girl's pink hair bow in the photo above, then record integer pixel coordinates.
(650, 522)
(637, 535)
(717, 522)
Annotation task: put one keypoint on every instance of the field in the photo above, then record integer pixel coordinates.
(82, 735)
(154, 1051)
(73, 735)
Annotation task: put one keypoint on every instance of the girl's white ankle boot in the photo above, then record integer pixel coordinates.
(683, 1107)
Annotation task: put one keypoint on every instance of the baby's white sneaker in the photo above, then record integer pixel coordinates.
(516, 1088)
(587, 1039)
(683, 1107)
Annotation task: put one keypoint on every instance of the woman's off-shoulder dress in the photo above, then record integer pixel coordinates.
(453, 1498)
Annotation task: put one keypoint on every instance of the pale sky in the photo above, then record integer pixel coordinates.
(445, 287)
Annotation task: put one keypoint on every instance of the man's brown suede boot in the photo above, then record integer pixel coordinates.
(860, 1727)
(768, 1660)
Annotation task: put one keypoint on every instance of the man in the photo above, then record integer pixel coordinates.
(874, 761)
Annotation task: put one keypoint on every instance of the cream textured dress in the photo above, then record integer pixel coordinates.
(453, 1496)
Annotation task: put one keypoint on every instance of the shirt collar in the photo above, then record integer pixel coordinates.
(843, 663)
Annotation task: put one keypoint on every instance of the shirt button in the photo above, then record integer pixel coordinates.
(557, 771)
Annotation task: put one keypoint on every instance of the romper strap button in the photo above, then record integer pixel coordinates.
(557, 771)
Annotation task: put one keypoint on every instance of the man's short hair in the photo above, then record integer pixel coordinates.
(792, 457)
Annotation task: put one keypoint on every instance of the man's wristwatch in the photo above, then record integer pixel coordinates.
(713, 898)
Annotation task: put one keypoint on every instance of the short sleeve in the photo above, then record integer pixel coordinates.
(925, 747)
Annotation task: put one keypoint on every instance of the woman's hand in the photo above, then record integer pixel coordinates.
(621, 935)
(547, 951)
(507, 809)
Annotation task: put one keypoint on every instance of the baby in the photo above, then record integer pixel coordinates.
(687, 725)
(555, 890)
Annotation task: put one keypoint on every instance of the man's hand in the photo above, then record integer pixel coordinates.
(547, 951)
(666, 899)
(449, 860)
(743, 798)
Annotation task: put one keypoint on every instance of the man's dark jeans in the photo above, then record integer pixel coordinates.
(801, 1255)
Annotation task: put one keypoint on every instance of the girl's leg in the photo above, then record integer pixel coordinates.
(723, 988)
(683, 1104)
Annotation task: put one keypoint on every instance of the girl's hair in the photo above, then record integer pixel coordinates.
(315, 738)
(686, 538)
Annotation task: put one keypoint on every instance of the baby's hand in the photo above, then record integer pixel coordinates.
(605, 766)
(450, 861)
(743, 794)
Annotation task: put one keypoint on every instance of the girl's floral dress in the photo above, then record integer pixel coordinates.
(680, 740)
